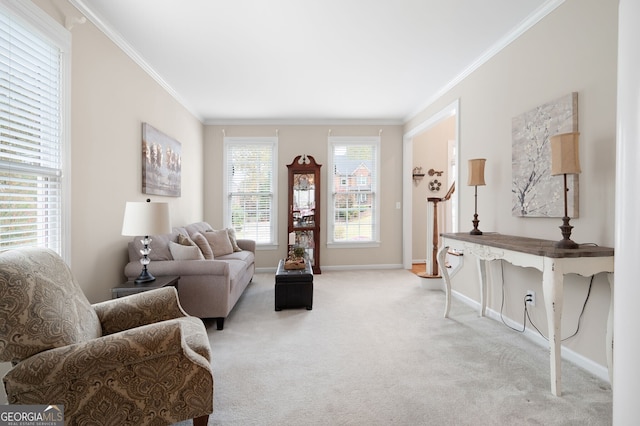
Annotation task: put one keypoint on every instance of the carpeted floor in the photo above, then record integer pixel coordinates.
(375, 350)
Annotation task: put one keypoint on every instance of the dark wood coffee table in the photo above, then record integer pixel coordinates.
(294, 288)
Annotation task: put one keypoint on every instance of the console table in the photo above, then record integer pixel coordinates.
(542, 255)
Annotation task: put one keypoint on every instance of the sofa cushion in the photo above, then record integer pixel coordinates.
(244, 255)
(233, 239)
(200, 227)
(182, 252)
(203, 244)
(185, 241)
(219, 242)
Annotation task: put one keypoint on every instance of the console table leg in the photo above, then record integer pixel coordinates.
(552, 287)
(610, 331)
(482, 273)
(442, 254)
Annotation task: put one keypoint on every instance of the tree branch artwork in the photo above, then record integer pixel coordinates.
(535, 193)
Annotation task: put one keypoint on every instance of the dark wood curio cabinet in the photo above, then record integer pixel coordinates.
(304, 207)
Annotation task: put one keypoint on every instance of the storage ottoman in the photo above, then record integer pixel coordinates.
(294, 288)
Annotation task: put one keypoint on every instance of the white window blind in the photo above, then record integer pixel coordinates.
(353, 212)
(250, 186)
(31, 146)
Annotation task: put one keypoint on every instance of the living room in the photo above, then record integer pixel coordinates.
(112, 96)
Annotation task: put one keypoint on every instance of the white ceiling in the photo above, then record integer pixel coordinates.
(311, 60)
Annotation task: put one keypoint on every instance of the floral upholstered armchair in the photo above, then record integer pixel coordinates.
(130, 361)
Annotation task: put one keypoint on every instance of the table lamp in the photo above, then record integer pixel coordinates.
(146, 218)
(565, 161)
(476, 177)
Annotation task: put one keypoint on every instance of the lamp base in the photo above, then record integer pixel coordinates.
(565, 242)
(475, 230)
(144, 277)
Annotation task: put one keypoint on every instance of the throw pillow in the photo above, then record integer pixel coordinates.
(232, 238)
(185, 240)
(180, 252)
(219, 242)
(203, 244)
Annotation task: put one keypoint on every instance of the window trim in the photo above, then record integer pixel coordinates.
(352, 140)
(41, 23)
(260, 140)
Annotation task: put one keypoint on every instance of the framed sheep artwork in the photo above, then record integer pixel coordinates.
(161, 163)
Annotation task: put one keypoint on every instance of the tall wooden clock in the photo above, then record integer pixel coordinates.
(304, 206)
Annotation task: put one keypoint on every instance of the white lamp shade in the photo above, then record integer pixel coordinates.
(146, 218)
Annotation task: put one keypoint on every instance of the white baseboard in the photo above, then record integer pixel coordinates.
(341, 267)
(360, 267)
(600, 371)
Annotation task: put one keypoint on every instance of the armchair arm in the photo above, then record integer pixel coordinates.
(139, 309)
(103, 358)
(157, 365)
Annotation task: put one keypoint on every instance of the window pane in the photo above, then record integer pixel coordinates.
(354, 187)
(30, 138)
(250, 188)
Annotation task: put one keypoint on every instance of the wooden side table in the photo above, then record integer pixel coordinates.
(130, 287)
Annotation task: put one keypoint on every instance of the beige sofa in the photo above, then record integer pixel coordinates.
(208, 287)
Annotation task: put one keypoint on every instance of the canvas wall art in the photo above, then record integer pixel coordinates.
(161, 163)
(535, 193)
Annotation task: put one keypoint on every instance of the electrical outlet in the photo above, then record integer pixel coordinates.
(530, 298)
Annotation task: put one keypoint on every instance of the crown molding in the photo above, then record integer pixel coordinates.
(115, 37)
(304, 122)
(544, 10)
(516, 32)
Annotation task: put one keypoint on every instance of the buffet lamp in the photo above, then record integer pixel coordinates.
(565, 161)
(146, 218)
(476, 178)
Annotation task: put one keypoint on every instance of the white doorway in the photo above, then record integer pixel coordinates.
(417, 230)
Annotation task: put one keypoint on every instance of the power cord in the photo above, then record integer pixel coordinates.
(584, 305)
(526, 311)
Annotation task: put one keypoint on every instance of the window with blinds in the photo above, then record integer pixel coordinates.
(250, 188)
(353, 212)
(31, 143)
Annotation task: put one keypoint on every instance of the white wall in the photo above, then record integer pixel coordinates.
(571, 50)
(111, 97)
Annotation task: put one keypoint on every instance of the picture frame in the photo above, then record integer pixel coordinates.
(535, 193)
(161, 163)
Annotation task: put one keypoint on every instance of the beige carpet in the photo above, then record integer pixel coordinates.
(375, 350)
